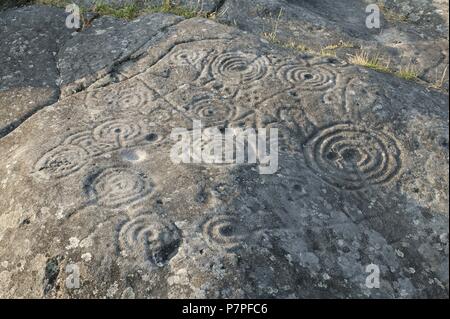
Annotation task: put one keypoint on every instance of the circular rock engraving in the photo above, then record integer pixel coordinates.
(62, 161)
(352, 157)
(147, 238)
(115, 187)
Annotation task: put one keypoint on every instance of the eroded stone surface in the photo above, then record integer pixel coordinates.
(413, 33)
(106, 44)
(196, 5)
(88, 182)
(31, 38)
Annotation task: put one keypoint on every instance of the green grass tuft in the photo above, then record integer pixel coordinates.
(408, 73)
(132, 11)
(372, 62)
(127, 12)
(376, 63)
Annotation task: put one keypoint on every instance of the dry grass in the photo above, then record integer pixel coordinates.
(390, 15)
(295, 46)
(327, 51)
(340, 45)
(375, 62)
(55, 3)
(168, 7)
(272, 35)
(408, 73)
(132, 11)
(440, 80)
(331, 50)
(127, 12)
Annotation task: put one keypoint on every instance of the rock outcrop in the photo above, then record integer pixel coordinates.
(413, 34)
(92, 204)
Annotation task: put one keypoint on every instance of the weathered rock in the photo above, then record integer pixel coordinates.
(6, 4)
(412, 36)
(31, 38)
(197, 5)
(88, 186)
(106, 44)
(407, 43)
(112, 3)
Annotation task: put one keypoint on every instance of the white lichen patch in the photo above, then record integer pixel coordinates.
(73, 243)
(111, 292)
(87, 257)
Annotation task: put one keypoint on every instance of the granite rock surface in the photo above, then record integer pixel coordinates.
(92, 204)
